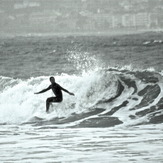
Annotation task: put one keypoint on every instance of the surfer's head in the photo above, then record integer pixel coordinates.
(52, 79)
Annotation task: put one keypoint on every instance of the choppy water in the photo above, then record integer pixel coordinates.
(46, 144)
(116, 114)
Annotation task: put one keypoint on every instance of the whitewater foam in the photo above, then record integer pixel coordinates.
(119, 93)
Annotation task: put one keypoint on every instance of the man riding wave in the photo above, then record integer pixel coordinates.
(57, 90)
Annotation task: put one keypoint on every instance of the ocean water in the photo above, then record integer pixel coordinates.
(115, 115)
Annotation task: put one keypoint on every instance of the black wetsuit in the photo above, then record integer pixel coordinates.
(57, 90)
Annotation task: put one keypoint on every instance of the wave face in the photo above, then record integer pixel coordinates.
(103, 98)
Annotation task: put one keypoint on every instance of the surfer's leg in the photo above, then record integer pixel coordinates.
(52, 99)
(48, 101)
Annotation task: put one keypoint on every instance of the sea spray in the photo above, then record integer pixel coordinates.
(132, 96)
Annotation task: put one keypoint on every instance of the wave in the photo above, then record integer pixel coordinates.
(103, 98)
(152, 42)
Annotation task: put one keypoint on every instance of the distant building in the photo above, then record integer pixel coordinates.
(128, 20)
(142, 20)
(43, 19)
(103, 21)
(117, 21)
(26, 4)
(154, 20)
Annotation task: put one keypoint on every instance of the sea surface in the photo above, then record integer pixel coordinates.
(115, 116)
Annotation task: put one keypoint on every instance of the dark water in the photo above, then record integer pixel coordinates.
(26, 57)
(115, 115)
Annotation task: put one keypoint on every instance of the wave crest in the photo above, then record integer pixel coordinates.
(103, 98)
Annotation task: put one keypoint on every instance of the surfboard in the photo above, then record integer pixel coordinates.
(39, 116)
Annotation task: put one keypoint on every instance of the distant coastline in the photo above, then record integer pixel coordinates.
(64, 34)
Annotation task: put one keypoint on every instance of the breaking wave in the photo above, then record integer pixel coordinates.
(103, 98)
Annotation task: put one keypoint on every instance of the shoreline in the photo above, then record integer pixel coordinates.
(67, 34)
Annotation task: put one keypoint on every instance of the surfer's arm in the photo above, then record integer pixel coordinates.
(44, 90)
(67, 91)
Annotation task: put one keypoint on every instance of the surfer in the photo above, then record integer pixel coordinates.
(57, 90)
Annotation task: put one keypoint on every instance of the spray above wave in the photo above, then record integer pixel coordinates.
(83, 61)
(103, 98)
